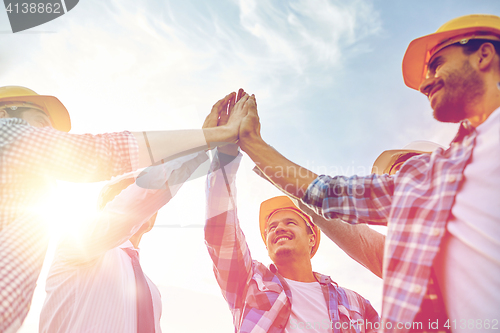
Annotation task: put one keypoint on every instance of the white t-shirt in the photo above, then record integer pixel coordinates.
(309, 309)
(468, 264)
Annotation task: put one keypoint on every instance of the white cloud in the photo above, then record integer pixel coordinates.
(300, 33)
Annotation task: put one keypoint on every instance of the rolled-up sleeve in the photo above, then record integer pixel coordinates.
(353, 199)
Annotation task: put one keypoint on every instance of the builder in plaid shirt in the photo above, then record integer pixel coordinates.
(442, 210)
(35, 150)
(288, 296)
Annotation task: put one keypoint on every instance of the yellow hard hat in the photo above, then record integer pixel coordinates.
(50, 105)
(460, 29)
(270, 206)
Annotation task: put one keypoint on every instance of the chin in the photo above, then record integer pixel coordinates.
(449, 114)
(281, 254)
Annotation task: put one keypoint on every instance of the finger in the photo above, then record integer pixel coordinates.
(242, 99)
(224, 116)
(222, 103)
(232, 101)
(241, 92)
(217, 108)
(251, 102)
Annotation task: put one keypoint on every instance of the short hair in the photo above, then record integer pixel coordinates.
(109, 192)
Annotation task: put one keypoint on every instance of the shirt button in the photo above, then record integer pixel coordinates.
(435, 232)
(451, 179)
(417, 289)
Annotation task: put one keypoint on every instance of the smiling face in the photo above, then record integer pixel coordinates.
(287, 235)
(452, 85)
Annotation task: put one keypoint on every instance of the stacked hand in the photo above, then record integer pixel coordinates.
(237, 115)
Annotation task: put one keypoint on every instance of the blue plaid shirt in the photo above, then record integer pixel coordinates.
(415, 204)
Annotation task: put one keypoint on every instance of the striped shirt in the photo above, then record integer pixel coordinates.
(30, 159)
(258, 296)
(415, 204)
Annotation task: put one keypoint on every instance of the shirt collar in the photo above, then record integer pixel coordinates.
(128, 245)
(322, 279)
(464, 130)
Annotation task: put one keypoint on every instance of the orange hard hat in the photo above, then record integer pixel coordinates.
(23, 97)
(270, 206)
(458, 30)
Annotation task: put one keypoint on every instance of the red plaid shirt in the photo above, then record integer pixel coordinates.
(258, 297)
(415, 203)
(31, 158)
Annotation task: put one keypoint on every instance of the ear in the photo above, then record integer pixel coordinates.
(486, 55)
(312, 240)
(4, 114)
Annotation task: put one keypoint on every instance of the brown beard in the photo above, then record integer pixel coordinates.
(463, 88)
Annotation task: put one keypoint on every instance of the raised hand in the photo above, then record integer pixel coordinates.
(222, 124)
(221, 107)
(250, 125)
(231, 148)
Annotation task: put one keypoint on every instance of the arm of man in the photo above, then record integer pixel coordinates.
(127, 212)
(223, 236)
(87, 158)
(352, 199)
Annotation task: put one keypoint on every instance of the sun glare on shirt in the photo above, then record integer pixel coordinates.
(67, 206)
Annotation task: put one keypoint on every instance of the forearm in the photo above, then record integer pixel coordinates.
(290, 177)
(224, 239)
(163, 145)
(359, 242)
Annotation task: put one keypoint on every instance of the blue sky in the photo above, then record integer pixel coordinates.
(326, 74)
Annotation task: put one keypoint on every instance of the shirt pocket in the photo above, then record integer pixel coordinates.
(351, 321)
(262, 294)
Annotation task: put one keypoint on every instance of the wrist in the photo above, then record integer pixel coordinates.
(252, 143)
(216, 136)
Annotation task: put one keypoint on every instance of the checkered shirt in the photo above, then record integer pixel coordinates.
(259, 297)
(415, 204)
(31, 159)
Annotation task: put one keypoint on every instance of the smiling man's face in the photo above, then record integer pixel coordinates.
(452, 85)
(288, 235)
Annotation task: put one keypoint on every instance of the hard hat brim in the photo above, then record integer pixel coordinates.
(420, 50)
(52, 106)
